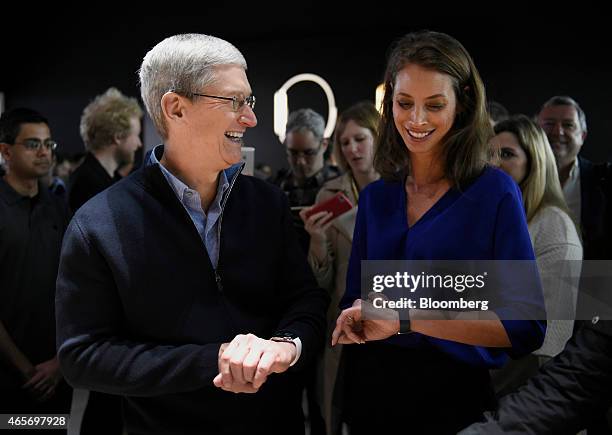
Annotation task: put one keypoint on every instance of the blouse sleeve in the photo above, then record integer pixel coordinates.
(521, 303)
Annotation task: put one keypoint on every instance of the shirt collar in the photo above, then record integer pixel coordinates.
(11, 196)
(225, 177)
(575, 171)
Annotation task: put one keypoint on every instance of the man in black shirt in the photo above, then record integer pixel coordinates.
(110, 128)
(306, 146)
(305, 153)
(32, 224)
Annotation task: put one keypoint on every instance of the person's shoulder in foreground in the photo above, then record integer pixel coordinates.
(566, 395)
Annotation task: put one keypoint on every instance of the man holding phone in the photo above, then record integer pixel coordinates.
(306, 146)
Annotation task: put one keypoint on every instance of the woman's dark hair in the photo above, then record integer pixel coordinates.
(465, 149)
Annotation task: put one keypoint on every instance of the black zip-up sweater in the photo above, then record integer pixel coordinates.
(141, 312)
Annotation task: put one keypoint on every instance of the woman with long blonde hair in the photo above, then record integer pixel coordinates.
(525, 154)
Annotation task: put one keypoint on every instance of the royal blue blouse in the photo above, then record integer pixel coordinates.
(484, 221)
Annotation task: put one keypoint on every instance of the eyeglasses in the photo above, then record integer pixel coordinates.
(308, 154)
(36, 144)
(237, 104)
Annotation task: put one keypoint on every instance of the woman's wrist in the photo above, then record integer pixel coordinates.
(318, 250)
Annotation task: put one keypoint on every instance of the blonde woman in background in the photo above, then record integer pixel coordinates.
(331, 240)
(525, 154)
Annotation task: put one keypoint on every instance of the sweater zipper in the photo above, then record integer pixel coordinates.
(229, 190)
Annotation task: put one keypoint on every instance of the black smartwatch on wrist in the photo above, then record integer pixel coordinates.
(404, 326)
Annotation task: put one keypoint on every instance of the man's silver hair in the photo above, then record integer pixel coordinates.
(183, 63)
(306, 120)
(564, 100)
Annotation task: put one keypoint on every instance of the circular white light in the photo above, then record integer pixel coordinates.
(281, 106)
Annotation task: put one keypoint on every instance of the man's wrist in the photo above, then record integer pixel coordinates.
(290, 345)
(291, 339)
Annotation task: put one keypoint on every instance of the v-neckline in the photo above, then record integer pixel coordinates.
(425, 215)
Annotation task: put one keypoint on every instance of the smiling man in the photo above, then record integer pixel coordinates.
(184, 283)
(587, 186)
(32, 223)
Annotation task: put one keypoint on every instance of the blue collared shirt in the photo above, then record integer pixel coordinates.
(207, 225)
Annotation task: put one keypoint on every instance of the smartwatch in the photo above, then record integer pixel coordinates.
(404, 326)
(288, 337)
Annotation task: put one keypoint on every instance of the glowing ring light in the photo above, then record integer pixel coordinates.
(281, 106)
(379, 95)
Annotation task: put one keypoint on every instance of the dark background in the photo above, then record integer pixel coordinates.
(58, 65)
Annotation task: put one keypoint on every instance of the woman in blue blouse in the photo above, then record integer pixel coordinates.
(438, 200)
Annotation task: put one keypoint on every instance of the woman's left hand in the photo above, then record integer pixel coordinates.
(353, 327)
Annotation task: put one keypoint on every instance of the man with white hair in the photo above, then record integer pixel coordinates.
(184, 283)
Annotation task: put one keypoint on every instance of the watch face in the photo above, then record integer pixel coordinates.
(287, 335)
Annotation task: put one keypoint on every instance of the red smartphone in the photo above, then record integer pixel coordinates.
(337, 205)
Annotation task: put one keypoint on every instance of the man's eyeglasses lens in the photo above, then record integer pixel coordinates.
(36, 144)
(236, 103)
(249, 101)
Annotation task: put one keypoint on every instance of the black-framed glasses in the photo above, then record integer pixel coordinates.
(35, 144)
